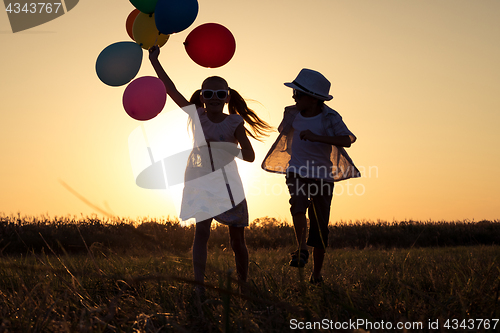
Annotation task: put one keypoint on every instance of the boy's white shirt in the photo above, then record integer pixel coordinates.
(278, 158)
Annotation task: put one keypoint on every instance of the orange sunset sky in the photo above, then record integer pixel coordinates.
(418, 83)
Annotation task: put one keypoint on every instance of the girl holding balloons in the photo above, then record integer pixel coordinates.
(222, 132)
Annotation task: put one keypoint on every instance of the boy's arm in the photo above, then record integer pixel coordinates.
(172, 91)
(342, 140)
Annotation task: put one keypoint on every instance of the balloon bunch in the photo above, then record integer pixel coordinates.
(151, 23)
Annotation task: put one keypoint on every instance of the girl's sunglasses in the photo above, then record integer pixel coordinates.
(208, 93)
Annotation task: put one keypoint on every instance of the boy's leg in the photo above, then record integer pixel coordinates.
(237, 236)
(201, 236)
(300, 226)
(318, 259)
(299, 201)
(319, 216)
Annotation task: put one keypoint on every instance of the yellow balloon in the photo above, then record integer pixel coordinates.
(145, 32)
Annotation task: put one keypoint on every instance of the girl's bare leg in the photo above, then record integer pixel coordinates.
(201, 236)
(237, 235)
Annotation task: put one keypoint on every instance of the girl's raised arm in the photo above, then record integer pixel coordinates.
(172, 91)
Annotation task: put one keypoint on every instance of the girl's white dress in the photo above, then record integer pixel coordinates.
(212, 184)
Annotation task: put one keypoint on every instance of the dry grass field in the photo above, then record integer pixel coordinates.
(91, 275)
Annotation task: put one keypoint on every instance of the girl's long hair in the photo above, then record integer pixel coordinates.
(238, 105)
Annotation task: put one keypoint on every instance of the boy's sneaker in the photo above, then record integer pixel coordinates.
(299, 259)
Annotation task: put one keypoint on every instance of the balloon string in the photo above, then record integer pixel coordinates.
(156, 41)
(147, 144)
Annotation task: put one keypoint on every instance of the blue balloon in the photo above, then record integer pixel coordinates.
(119, 63)
(172, 16)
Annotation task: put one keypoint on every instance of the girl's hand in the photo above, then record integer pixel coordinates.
(247, 153)
(223, 153)
(154, 52)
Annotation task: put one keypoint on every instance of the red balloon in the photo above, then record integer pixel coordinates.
(144, 98)
(130, 22)
(210, 45)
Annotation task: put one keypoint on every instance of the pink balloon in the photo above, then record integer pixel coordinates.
(144, 98)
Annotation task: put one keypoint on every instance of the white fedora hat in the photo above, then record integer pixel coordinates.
(312, 83)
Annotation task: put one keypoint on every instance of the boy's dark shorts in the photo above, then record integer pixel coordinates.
(315, 197)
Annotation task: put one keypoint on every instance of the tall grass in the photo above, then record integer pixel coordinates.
(83, 293)
(89, 275)
(20, 234)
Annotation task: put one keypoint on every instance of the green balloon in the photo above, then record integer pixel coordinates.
(145, 6)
